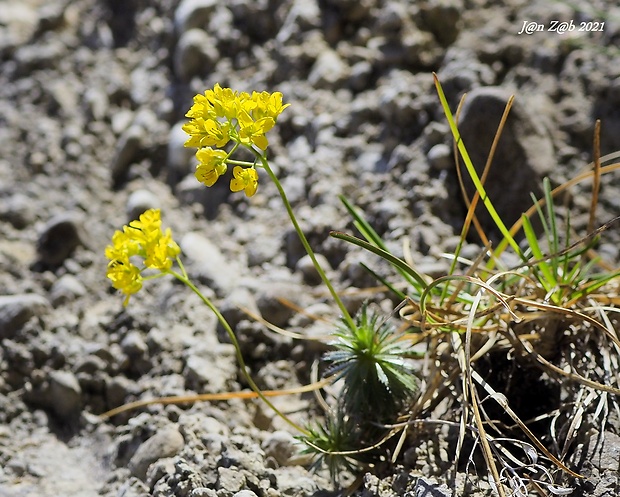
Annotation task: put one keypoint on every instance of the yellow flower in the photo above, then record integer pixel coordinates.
(161, 252)
(222, 114)
(253, 132)
(275, 106)
(125, 277)
(201, 108)
(224, 100)
(211, 166)
(122, 246)
(268, 105)
(142, 238)
(206, 133)
(144, 231)
(244, 179)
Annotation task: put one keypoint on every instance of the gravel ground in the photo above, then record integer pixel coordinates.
(92, 98)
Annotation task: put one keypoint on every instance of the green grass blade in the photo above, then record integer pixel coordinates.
(472, 171)
(384, 282)
(362, 225)
(595, 284)
(548, 280)
(554, 246)
(405, 269)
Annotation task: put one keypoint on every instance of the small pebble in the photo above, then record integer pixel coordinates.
(193, 14)
(16, 310)
(134, 345)
(66, 289)
(245, 493)
(139, 202)
(127, 151)
(59, 238)
(440, 157)
(167, 442)
(65, 393)
(281, 446)
(309, 272)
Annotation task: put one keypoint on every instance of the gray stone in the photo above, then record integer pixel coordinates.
(204, 492)
(19, 20)
(230, 479)
(66, 289)
(462, 72)
(179, 157)
(17, 310)
(524, 155)
(442, 17)
(117, 390)
(267, 301)
(440, 157)
(205, 372)
(209, 266)
(34, 57)
(245, 493)
(428, 487)
(97, 103)
(167, 442)
(360, 75)
(64, 394)
(139, 202)
(195, 54)
(133, 345)
(19, 210)
(329, 70)
(280, 445)
(601, 453)
(193, 14)
(302, 16)
(128, 149)
(60, 236)
(309, 272)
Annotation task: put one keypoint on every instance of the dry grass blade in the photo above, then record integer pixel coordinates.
(281, 331)
(471, 270)
(571, 247)
(596, 177)
(184, 399)
(473, 394)
(572, 313)
(473, 203)
(501, 400)
(559, 189)
(527, 347)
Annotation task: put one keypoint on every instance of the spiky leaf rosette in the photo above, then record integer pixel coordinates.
(333, 443)
(372, 360)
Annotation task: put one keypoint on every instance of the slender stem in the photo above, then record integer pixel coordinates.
(239, 163)
(304, 241)
(235, 342)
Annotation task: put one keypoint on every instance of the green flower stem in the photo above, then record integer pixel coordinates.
(239, 163)
(345, 313)
(231, 334)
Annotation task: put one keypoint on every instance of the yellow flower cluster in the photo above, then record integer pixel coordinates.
(222, 115)
(143, 239)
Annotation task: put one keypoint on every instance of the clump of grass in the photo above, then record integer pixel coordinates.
(555, 314)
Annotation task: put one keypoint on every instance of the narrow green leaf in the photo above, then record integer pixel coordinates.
(548, 278)
(471, 170)
(414, 277)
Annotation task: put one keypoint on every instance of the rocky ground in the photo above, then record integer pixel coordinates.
(92, 97)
